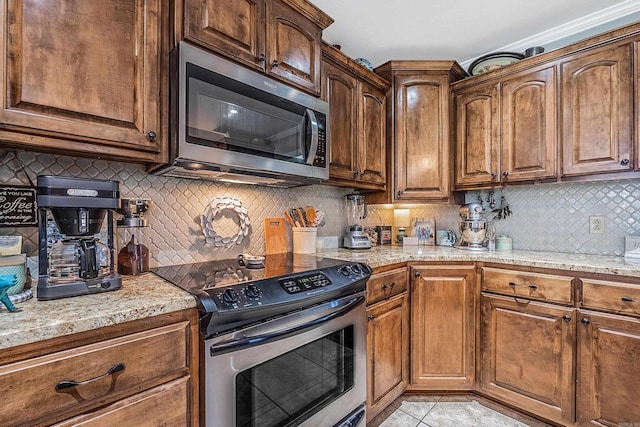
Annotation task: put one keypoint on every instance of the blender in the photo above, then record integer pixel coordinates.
(473, 227)
(356, 210)
(72, 258)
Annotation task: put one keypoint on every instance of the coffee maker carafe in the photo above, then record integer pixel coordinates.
(473, 228)
(356, 210)
(73, 260)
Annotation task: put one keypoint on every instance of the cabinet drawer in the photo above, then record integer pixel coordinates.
(612, 296)
(544, 287)
(384, 285)
(149, 357)
(165, 405)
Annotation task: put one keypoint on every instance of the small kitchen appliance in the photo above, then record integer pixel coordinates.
(473, 228)
(356, 210)
(292, 314)
(72, 258)
(133, 255)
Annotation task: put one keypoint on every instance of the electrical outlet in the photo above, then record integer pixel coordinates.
(596, 224)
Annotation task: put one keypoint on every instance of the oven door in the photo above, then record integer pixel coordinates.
(307, 368)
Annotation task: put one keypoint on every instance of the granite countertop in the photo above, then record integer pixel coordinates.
(384, 255)
(149, 295)
(138, 298)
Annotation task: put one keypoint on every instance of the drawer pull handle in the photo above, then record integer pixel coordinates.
(63, 385)
(627, 299)
(532, 287)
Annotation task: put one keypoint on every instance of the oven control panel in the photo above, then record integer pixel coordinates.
(293, 285)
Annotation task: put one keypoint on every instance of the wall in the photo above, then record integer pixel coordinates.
(175, 234)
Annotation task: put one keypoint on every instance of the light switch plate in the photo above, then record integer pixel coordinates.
(632, 246)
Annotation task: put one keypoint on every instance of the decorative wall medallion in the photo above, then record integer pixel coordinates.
(218, 205)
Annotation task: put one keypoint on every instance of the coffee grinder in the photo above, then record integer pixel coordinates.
(356, 210)
(75, 262)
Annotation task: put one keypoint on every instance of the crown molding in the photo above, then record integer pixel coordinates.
(569, 29)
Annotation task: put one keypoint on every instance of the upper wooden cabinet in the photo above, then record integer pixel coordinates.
(280, 37)
(85, 77)
(507, 131)
(419, 130)
(597, 111)
(357, 122)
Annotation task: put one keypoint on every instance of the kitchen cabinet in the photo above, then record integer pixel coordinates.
(506, 131)
(357, 122)
(443, 313)
(597, 111)
(419, 130)
(527, 355)
(608, 351)
(86, 78)
(143, 370)
(282, 38)
(387, 339)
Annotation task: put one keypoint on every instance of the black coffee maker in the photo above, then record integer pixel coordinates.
(72, 259)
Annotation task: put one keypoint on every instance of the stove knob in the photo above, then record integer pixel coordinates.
(230, 296)
(356, 269)
(253, 291)
(345, 271)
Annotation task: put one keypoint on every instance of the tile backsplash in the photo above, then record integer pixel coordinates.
(175, 235)
(550, 217)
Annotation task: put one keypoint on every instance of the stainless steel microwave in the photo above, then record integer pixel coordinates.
(229, 123)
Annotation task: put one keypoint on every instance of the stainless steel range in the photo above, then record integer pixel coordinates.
(284, 344)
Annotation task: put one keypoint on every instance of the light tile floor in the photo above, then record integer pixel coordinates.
(447, 411)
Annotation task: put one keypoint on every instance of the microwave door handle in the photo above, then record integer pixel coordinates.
(313, 148)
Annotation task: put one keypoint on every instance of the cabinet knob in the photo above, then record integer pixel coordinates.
(625, 162)
(493, 176)
(370, 317)
(356, 172)
(505, 175)
(566, 318)
(152, 136)
(262, 58)
(417, 274)
(362, 173)
(400, 193)
(585, 321)
(275, 63)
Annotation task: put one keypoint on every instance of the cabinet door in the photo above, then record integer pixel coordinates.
(372, 134)
(597, 112)
(608, 370)
(527, 355)
(339, 89)
(443, 311)
(387, 352)
(477, 124)
(84, 76)
(528, 136)
(293, 47)
(422, 151)
(234, 28)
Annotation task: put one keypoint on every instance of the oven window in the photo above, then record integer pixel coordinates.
(290, 388)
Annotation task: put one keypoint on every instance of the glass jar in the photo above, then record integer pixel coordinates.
(133, 253)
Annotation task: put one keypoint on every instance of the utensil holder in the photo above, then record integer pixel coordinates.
(304, 240)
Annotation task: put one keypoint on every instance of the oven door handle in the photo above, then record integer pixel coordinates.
(251, 341)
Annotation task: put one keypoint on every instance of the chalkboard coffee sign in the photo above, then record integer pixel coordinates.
(18, 206)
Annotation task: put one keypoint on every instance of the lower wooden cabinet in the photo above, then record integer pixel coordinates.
(443, 313)
(608, 391)
(127, 374)
(527, 355)
(387, 352)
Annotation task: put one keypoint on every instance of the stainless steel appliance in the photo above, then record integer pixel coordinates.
(232, 124)
(473, 228)
(72, 259)
(355, 209)
(284, 344)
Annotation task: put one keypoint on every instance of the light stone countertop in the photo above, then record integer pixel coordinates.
(148, 295)
(138, 298)
(384, 255)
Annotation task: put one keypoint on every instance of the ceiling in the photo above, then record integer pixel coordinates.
(381, 30)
